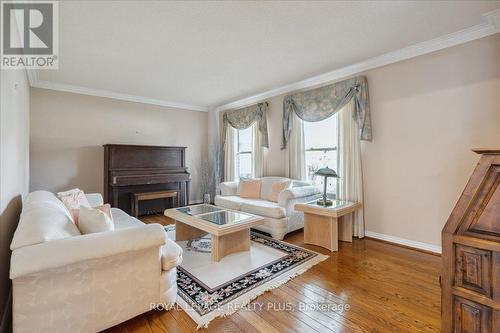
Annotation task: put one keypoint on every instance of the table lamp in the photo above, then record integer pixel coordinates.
(325, 172)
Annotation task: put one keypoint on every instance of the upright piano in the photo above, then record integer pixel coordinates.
(133, 168)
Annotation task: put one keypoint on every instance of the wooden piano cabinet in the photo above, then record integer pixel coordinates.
(470, 276)
(132, 169)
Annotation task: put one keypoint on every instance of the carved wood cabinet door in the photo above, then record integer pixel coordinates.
(470, 277)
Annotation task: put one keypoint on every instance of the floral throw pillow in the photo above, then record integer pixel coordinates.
(73, 199)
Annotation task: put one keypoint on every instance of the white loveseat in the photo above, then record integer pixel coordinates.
(67, 282)
(280, 217)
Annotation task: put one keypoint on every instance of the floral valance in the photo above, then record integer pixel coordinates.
(244, 118)
(321, 103)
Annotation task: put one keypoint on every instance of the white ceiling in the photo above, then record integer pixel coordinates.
(210, 53)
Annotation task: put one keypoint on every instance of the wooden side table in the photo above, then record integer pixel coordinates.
(324, 226)
(135, 198)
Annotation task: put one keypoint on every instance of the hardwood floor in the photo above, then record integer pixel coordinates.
(388, 289)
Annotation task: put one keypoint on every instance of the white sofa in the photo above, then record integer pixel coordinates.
(67, 282)
(280, 217)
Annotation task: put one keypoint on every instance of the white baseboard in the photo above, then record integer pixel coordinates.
(5, 324)
(405, 242)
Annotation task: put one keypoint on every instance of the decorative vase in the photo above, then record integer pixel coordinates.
(206, 198)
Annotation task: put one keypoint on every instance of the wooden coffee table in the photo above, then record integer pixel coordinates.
(324, 226)
(230, 229)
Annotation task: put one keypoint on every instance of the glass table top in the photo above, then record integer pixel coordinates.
(198, 209)
(215, 215)
(336, 204)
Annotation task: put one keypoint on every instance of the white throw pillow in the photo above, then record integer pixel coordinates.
(91, 220)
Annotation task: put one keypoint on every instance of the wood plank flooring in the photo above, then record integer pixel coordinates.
(388, 289)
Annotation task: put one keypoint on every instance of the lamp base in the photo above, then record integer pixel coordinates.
(325, 203)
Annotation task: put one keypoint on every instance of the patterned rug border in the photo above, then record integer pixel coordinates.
(203, 304)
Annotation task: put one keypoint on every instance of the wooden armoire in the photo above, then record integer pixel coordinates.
(470, 277)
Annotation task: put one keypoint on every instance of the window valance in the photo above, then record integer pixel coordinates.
(244, 118)
(321, 103)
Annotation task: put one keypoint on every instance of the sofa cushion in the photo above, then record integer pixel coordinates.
(122, 220)
(41, 199)
(308, 192)
(230, 202)
(43, 218)
(267, 184)
(263, 208)
(75, 213)
(277, 188)
(229, 188)
(91, 220)
(171, 255)
(250, 188)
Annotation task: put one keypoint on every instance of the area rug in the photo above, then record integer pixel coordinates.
(207, 290)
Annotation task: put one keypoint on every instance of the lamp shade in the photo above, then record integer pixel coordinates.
(326, 172)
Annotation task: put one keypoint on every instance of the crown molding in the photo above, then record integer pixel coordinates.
(490, 26)
(34, 81)
(110, 94)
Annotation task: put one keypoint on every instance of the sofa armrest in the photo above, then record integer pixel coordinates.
(171, 255)
(296, 193)
(67, 251)
(229, 188)
(95, 199)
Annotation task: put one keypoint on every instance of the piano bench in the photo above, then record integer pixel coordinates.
(136, 197)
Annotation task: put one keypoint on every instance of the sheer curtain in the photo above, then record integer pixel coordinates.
(349, 165)
(259, 153)
(296, 157)
(230, 155)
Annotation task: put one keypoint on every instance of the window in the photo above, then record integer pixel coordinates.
(244, 155)
(320, 141)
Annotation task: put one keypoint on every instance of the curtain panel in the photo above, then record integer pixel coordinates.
(230, 156)
(321, 103)
(244, 118)
(296, 157)
(349, 167)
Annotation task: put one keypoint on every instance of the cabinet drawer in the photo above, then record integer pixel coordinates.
(473, 269)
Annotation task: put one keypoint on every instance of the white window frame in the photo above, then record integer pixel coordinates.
(324, 150)
(238, 152)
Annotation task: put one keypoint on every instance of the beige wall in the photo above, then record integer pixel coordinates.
(14, 154)
(68, 131)
(427, 114)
